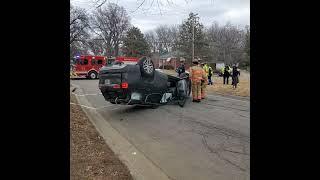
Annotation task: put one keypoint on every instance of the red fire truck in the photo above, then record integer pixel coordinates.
(88, 66)
(127, 60)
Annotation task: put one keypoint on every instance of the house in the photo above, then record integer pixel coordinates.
(219, 65)
(168, 60)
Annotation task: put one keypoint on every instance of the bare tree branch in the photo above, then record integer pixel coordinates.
(101, 3)
(138, 6)
(159, 7)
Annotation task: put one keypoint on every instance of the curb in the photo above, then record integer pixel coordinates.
(140, 167)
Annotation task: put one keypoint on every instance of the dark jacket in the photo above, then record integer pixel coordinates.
(235, 72)
(226, 71)
(181, 69)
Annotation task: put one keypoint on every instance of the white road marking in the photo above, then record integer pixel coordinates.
(87, 94)
(114, 108)
(105, 106)
(110, 105)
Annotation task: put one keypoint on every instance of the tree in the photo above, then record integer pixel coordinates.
(135, 44)
(151, 39)
(158, 3)
(163, 38)
(79, 27)
(174, 37)
(97, 46)
(185, 37)
(77, 48)
(246, 61)
(110, 23)
(226, 43)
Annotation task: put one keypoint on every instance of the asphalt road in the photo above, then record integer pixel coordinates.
(210, 140)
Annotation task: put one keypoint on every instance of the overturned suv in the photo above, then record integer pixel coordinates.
(141, 84)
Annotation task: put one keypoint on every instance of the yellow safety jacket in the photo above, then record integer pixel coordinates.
(206, 69)
(222, 70)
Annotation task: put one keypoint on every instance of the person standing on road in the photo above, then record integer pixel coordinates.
(235, 76)
(205, 68)
(226, 74)
(196, 75)
(181, 69)
(210, 72)
(221, 72)
(204, 81)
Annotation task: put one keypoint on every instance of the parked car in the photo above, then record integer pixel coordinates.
(141, 84)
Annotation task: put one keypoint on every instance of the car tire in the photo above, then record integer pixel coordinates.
(146, 67)
(182, 101)
(92, 75)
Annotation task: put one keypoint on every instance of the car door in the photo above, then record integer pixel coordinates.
(86, 65)
(100, 63)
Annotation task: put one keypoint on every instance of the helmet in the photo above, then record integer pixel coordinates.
(195, 61)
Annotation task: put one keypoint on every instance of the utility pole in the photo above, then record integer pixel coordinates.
(192, 39)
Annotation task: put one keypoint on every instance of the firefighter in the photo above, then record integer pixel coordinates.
(204, 81)
(196, 75)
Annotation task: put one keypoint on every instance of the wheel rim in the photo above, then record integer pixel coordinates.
(148, 66)
(93, 76)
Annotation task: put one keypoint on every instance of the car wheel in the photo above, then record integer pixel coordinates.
(146, 67)
(182, 101)
(93, 75)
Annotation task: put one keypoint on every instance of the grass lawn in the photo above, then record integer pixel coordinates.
(243, 88)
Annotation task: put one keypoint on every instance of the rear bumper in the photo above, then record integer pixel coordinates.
(118, 96)
(110, 93)
(126, 96)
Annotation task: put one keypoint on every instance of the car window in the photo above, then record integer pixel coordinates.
(93, 61)
(99, 61)
(85, 61)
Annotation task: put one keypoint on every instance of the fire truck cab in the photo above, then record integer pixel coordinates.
(88, 66)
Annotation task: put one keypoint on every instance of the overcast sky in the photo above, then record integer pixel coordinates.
(236, 12)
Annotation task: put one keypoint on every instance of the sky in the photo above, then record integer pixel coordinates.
(169, 12)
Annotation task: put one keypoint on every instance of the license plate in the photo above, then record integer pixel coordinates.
(107, 81)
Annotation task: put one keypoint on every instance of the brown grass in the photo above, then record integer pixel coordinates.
(90, 157)
(243, 88)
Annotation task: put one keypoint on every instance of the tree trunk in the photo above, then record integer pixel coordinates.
(116, 49)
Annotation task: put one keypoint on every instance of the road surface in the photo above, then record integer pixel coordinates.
(210, 140)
